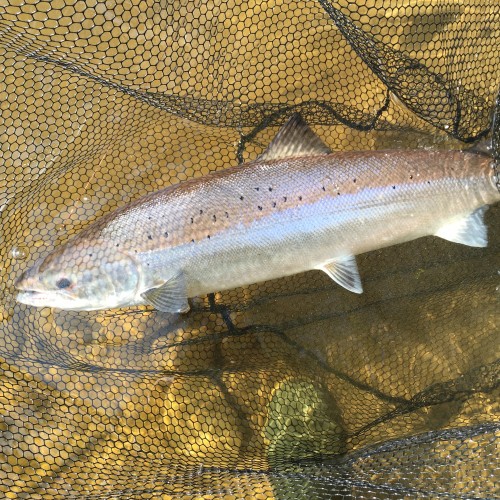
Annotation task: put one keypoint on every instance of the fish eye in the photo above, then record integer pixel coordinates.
(63, 283)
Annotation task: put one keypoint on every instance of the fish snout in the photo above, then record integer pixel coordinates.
(21, 282)
(27, 280)
(24, 285)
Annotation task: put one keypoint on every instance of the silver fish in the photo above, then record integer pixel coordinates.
(298, 207)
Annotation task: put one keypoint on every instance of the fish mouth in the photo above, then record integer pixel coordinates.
(34, 298)
(26, 294)
(57, 300)
(29, 293)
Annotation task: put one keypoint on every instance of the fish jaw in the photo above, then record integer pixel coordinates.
(65, 302)
(38, 298)
(68, 301)
(32, 293)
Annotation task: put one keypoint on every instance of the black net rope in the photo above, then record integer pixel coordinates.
(292, 388)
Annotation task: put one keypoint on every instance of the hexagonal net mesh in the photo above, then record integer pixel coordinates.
(292, 388)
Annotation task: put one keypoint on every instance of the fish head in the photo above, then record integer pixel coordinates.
(81, 277)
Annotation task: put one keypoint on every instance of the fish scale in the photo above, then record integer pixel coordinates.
(296, 208)
(296, 183)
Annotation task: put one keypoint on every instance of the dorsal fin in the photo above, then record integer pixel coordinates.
(295, 138)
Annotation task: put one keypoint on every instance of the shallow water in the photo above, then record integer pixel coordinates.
(292, 388)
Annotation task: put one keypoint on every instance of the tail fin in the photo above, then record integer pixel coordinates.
(495, 142)
(495, 130)
(484, 146)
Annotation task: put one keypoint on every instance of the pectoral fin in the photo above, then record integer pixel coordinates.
(169, 297)
(469, 230)
(344, 271)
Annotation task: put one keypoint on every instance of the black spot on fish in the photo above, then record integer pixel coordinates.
(214, 217)
(259, 207)
(118, 244)
(354, 180)
(149, 218)
(428, 182)
(411, 176)
(227, 215)
(284, 198)
(274, 204)
(201, 212)
(323, 188)
(338, 193)
(256, 189)
(192, 220)
(208, 236)
(300, 198)
(192, 241)
(150, 237)
(393, 187)
(165, 234)
(270, 189)
(90, 255)
(241, 197)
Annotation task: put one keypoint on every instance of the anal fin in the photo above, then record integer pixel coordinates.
(469, 230)
(344, 271)
(169, 297)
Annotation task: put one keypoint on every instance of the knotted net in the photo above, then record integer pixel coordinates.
(286, 389)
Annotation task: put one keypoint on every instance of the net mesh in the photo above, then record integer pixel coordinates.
(286, 389)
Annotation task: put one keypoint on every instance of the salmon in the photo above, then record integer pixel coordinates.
(298, 207)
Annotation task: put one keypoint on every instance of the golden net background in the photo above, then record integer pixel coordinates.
(288, 389)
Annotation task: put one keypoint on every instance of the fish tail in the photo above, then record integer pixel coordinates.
(490, 144)
(495, 131)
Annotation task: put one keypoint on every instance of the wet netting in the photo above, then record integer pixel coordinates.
(294, 388)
